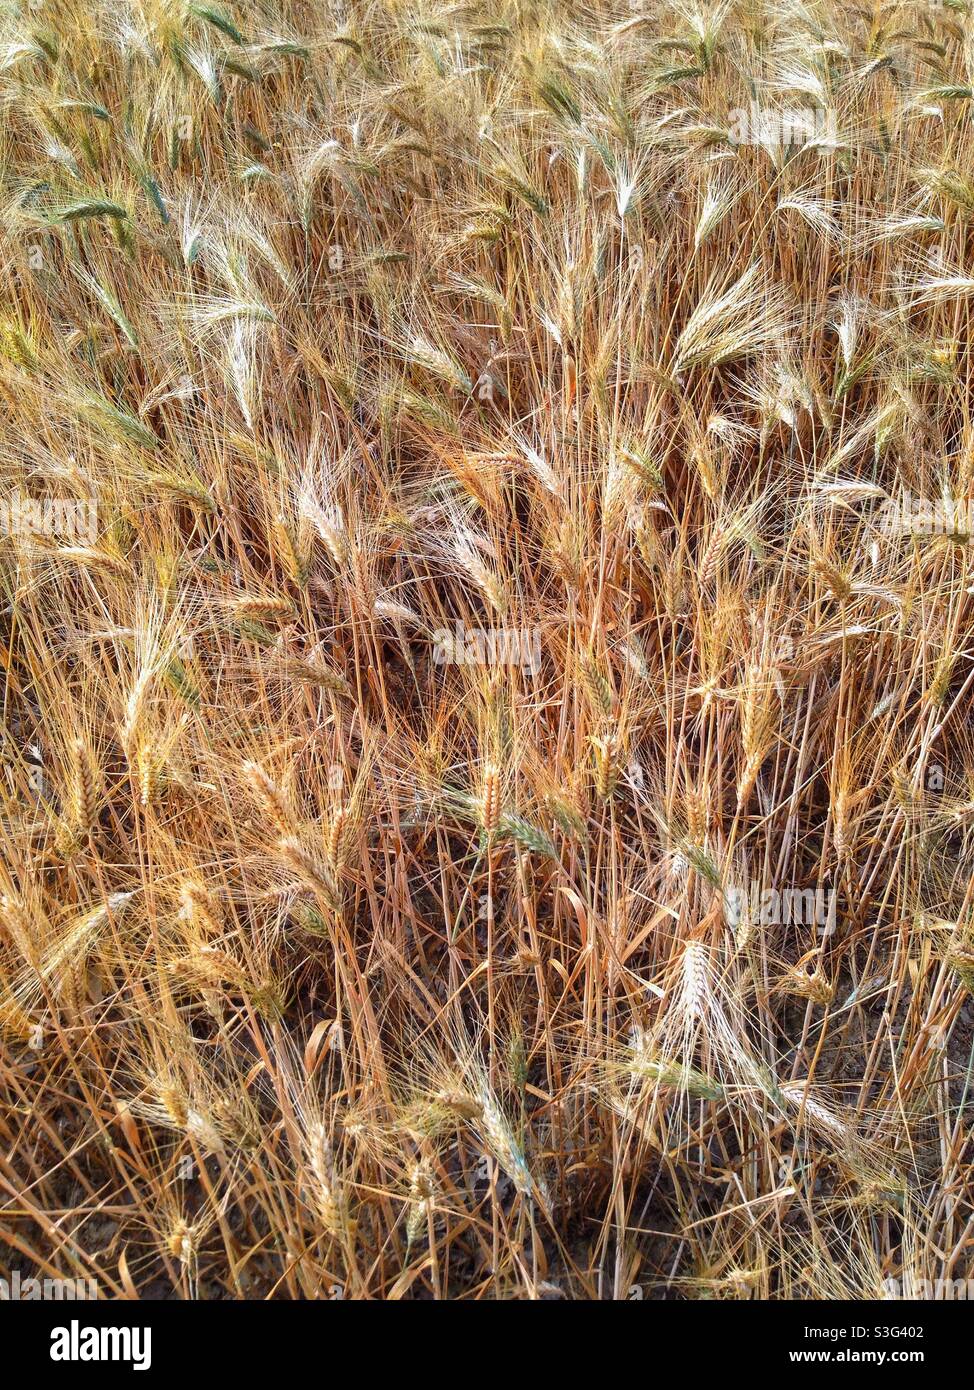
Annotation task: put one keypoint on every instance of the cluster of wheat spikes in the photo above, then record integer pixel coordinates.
(332, 965)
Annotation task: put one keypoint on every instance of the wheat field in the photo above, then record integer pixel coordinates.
(487, 643)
